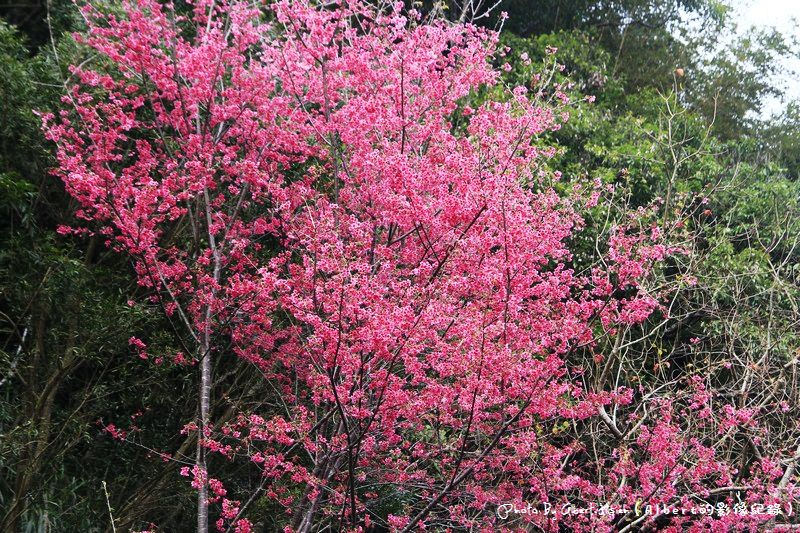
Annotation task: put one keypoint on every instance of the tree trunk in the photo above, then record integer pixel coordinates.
(205, 402)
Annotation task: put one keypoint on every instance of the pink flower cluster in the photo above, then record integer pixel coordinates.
(317, 193)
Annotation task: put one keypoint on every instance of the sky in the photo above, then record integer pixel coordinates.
(766, 12)
(778, 14)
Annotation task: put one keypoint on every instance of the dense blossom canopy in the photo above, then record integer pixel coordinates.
(308, 188)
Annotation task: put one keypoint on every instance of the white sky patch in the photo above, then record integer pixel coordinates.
(782, 15)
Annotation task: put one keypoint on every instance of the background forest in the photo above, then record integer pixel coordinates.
(668, 108)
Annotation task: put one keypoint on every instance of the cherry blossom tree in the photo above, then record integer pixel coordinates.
(331, 193)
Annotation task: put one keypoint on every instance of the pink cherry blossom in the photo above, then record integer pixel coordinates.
(297, 193)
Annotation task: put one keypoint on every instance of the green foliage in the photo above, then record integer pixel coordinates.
(695, 146)
(729, 86)
(65, 363)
